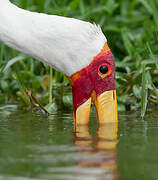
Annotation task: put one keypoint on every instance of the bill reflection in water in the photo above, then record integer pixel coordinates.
(99, 153)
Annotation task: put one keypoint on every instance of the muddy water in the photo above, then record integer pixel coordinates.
(35, 147)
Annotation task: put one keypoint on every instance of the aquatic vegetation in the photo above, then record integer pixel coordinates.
(131, 28)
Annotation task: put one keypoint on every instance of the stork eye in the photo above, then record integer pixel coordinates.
(103, 69)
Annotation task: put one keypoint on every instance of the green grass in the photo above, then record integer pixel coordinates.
(131, 27)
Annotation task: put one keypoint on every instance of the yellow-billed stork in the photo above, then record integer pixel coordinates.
(76, 48)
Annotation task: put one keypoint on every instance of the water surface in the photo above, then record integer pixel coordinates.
(34, 147)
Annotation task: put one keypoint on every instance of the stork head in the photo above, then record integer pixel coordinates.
(95, 83)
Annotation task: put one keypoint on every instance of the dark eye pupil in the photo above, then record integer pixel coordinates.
(103, 69)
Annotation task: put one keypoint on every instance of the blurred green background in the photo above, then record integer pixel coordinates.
(131, 27)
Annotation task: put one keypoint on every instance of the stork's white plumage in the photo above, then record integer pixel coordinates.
(76, 48)
(66, 44)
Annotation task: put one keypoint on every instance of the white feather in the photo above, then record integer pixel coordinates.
(66, 44)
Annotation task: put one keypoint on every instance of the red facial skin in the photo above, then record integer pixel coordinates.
(89, 79)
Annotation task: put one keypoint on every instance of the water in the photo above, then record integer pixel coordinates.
(33, 147)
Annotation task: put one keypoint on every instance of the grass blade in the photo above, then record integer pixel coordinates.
(154, 11)
(14, 60)
(1, 53)
(50, 85)
(152, 56)
(144, 96)
(146, 5)
(128, 45)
